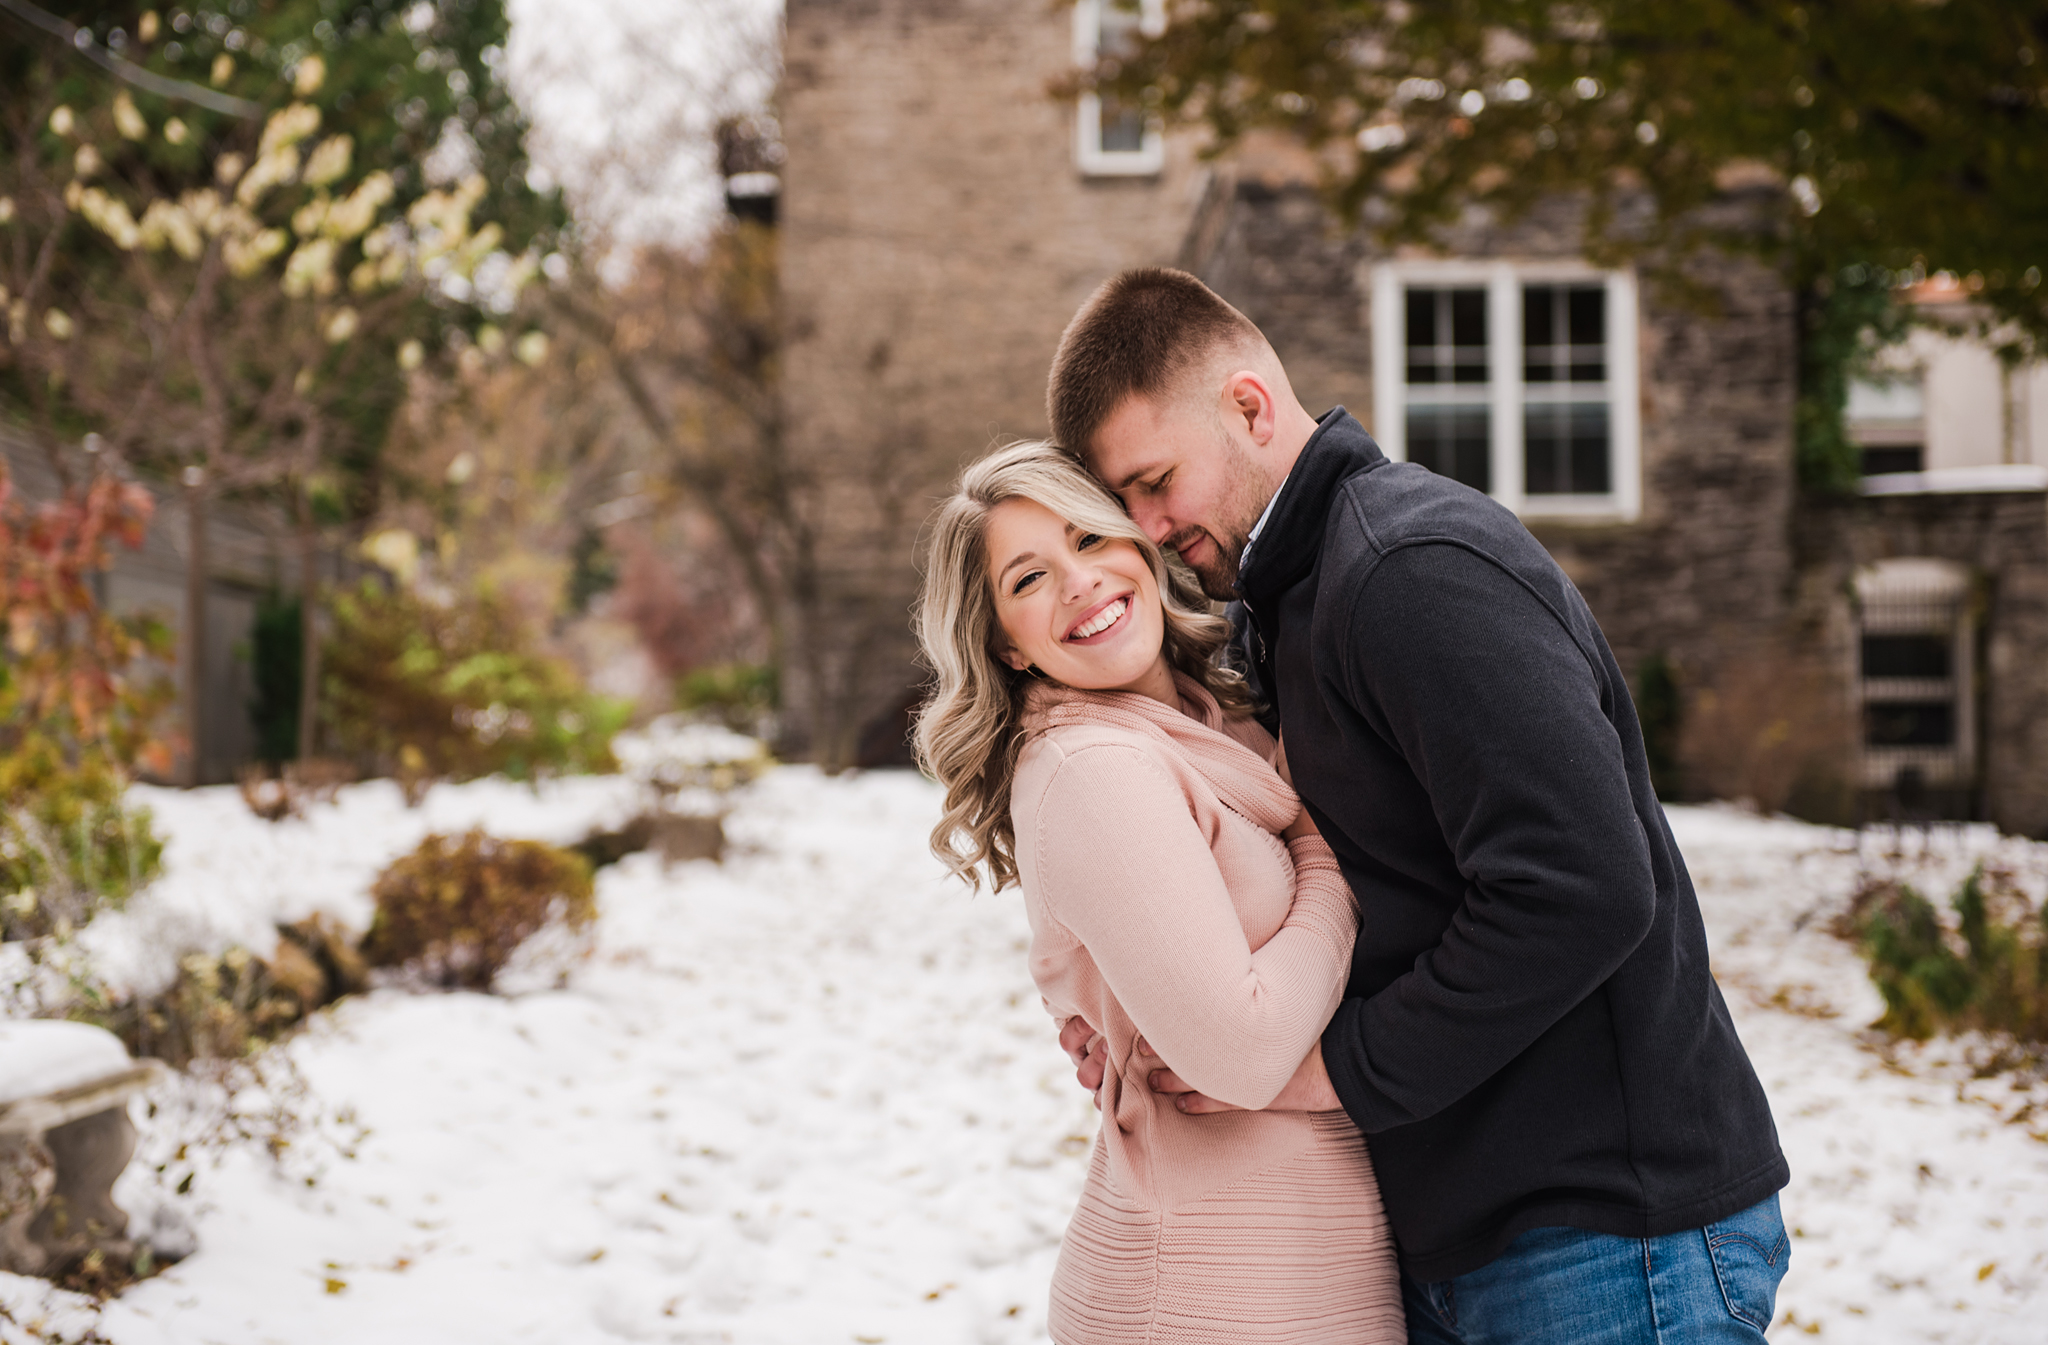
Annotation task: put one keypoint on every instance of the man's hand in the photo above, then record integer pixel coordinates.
(1308, 1090)
(1088, 1049)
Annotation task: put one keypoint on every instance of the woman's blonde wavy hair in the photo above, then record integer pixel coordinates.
(970, 731)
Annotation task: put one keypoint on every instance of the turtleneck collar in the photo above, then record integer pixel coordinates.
(1243, 780)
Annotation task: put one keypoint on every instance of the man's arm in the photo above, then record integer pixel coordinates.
(1500, 714)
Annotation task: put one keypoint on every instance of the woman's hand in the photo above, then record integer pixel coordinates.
(1308, 1090)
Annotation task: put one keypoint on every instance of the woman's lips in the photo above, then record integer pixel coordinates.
(1121, 605)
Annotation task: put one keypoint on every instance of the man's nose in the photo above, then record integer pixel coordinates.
(1153, 520)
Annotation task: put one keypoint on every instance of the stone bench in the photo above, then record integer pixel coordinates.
(66, 1087)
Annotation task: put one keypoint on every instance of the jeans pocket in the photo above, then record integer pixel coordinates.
(1750, 1251)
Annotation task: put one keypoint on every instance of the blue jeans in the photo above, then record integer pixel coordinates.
(1716, 1285)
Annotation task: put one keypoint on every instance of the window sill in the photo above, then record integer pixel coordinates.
(1993, 479)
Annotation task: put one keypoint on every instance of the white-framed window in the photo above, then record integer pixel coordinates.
(1112, 139)
(1887, 421)
(1516, 378)
(1915, 676)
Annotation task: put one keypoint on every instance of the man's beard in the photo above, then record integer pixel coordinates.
(1241, 505)
(1218, 574)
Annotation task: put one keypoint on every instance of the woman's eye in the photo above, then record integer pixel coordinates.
(1024, 582)
(1086, 540)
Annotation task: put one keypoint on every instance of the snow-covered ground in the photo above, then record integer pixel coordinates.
(809, 1096)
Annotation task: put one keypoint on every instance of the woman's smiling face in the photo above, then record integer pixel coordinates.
(1082, 607)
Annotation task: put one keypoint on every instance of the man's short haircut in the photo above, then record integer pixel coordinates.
(1139, 334)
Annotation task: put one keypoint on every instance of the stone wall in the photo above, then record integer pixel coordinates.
(2003, 540)
(936, 237)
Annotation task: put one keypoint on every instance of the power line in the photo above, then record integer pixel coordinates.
(81, 41)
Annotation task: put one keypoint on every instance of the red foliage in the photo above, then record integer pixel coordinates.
(68, 694)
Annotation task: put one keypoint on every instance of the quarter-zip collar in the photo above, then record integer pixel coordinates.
(1293, 535)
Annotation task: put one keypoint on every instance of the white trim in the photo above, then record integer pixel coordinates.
(1089, 155)
(1503, 281)
(1992, 478)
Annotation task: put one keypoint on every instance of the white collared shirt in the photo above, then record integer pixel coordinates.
(1258, 527)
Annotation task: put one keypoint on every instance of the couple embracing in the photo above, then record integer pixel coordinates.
(1355, 903)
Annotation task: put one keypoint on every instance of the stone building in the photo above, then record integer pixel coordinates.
(944, 213)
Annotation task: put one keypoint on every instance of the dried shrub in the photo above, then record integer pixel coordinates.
(453, 690)
(1989, 973)
(454, 910)
(221, 1006)
(1771, 728)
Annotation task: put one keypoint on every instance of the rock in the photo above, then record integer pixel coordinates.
(678, 838)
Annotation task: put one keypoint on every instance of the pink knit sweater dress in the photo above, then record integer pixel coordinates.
(1164, 905)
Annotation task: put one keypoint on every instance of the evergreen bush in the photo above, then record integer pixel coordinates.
(276, 651)
(454, 910)
(1990, 974)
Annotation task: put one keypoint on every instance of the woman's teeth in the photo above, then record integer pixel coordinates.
(1101, 621)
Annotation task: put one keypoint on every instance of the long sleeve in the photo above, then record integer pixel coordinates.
(1499, 713)
(1124, 867)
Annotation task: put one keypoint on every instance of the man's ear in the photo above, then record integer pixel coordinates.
(1249, 402)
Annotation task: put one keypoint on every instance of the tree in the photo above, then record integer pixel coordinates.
(1909, 138)
(231, 286)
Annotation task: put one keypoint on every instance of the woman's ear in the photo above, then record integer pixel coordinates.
(1010, 656)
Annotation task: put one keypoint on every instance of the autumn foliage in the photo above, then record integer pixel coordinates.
(80, 696)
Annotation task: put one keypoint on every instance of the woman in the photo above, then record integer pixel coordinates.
(1095, 753)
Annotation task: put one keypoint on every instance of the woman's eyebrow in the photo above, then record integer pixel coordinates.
(1028, 555)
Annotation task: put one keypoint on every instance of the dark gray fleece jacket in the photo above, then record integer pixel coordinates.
(1530, 1036)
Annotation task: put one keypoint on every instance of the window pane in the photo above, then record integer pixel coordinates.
(1422, 336)
(1564, 334)
(1120, 31)
(1566, 449)
(1892, 458)
(1588, 307)
(1446, 336)
(1910, 724)
(1123, 129)
(1452, 441)
(1468, 334)
(1906, 655)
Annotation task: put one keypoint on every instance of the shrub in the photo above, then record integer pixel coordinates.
(276, 651)
(432, 690)
(741, 696)
(1765, 725)
(80, 694)
(1990, 975)
(1659, 710)
(454, 910)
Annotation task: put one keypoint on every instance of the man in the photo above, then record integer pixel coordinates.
(1570, 1141)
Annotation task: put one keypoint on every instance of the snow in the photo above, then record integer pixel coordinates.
(810, 1096)
(43, 1057)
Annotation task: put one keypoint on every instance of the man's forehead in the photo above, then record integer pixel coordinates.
(1132, 442)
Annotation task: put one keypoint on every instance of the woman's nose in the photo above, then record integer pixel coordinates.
(1080, 581)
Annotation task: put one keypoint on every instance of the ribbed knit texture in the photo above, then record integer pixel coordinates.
(1163, 905)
